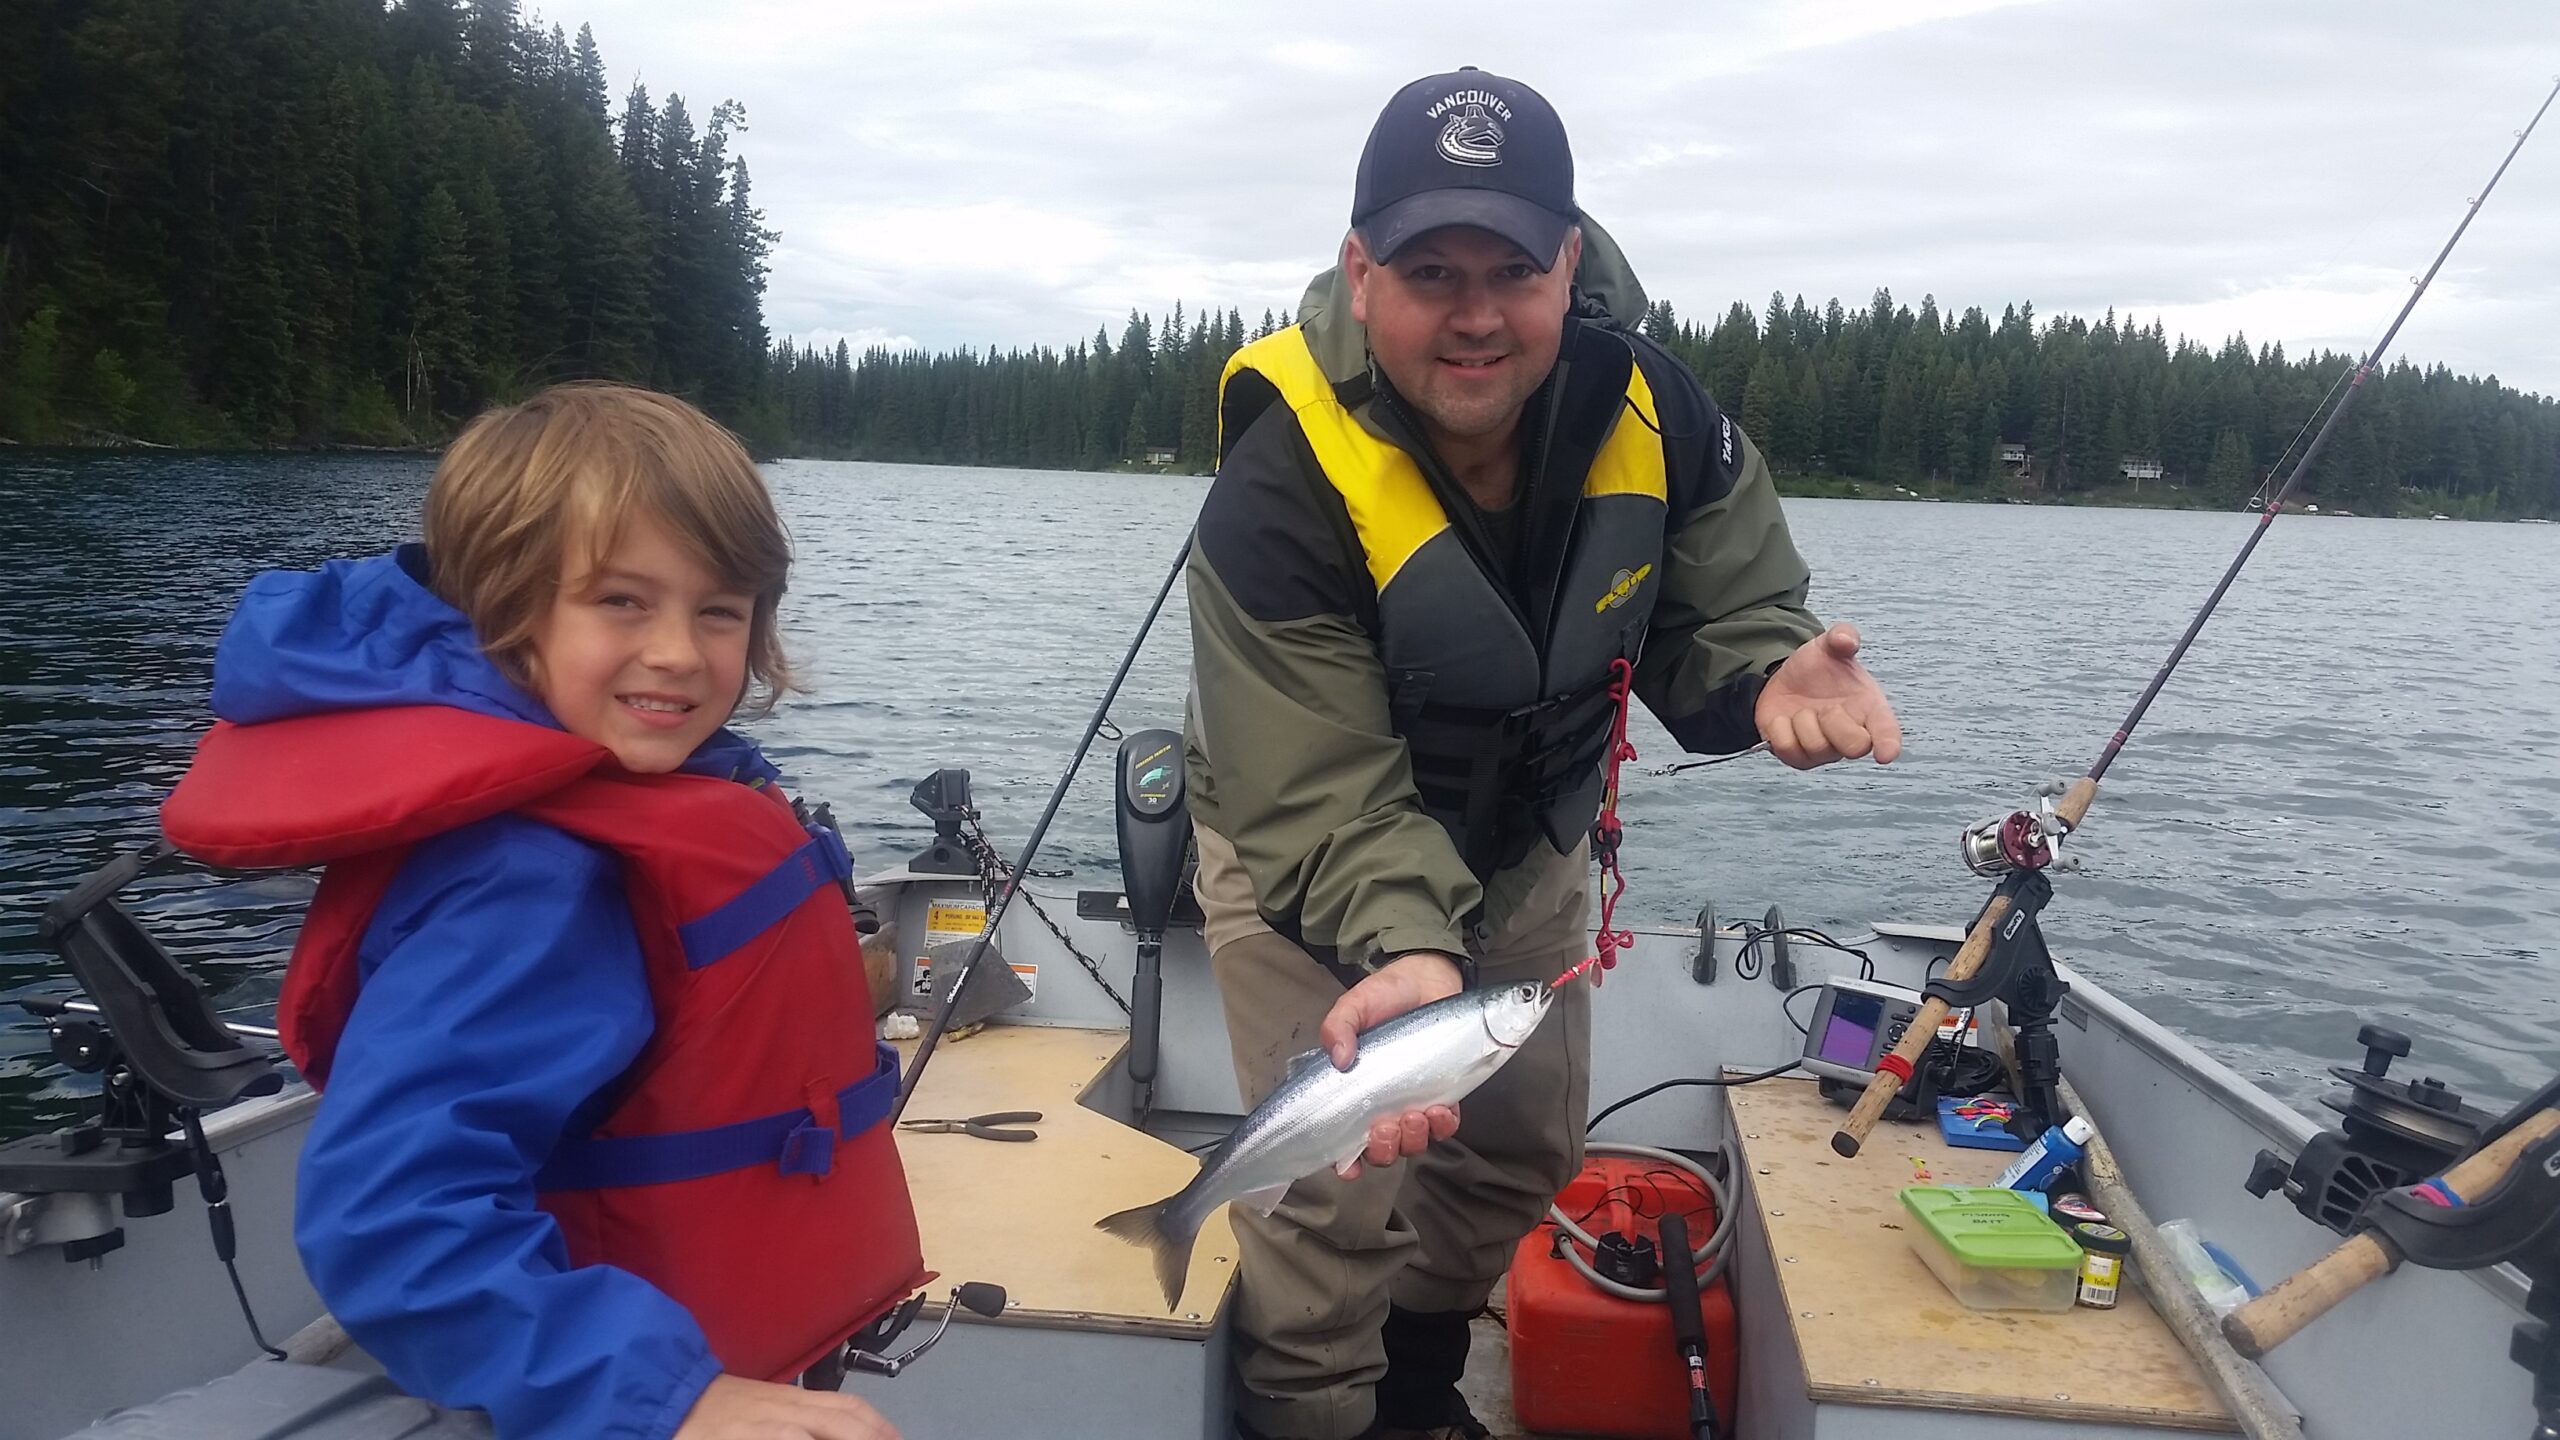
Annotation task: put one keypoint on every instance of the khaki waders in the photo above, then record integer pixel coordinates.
(1430, 1234)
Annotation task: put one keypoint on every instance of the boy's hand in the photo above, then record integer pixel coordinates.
(730, 1408)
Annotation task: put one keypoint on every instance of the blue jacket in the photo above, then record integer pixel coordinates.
(502, 990)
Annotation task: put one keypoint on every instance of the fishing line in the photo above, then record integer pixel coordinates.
(2017, 845)
(2275, 502)
(1710, 760)
(2307, 421)
(1031, 847)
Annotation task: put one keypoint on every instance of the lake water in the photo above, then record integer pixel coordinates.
(2345, 807)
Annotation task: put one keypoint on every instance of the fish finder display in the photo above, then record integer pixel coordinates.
(1853, 1022)
(1850, 1039)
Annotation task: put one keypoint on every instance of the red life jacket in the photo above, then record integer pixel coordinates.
(744, 1164)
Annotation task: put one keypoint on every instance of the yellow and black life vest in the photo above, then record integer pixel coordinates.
(1505, 713)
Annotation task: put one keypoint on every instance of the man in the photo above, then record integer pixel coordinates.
(1449, 500)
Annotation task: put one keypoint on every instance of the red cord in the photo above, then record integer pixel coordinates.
(1606, 832)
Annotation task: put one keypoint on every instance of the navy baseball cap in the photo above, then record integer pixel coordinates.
(1466, 148)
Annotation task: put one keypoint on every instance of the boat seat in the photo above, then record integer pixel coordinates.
(1022, 1215)
(1874, 1328)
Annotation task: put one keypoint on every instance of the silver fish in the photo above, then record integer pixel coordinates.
(1319, 1117)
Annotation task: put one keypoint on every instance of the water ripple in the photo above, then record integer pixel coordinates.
(2342, 809)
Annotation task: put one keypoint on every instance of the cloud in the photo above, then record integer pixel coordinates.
(1016, 173)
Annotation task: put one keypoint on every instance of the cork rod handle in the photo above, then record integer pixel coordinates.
(1933, 1011)
(2316, 1288)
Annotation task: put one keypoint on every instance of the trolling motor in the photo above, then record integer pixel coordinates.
(1155, 838)
(163, 1058)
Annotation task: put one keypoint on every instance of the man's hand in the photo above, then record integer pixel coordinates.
(1822, 706)
(1407, 982)
(731, 1408)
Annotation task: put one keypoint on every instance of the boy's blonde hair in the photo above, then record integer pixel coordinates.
(581, 460)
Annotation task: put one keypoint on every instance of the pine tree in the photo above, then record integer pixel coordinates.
(32, 371)
(2230, 477)
(1763, 396)
(588, 76)
(445, 324)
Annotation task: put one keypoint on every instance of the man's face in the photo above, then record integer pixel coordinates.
(1463, 323)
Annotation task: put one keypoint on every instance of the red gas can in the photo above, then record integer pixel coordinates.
(1585, 1363)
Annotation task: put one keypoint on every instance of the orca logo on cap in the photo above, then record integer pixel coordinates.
(1472, 137)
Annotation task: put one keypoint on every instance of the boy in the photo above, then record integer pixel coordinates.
(603, 1147)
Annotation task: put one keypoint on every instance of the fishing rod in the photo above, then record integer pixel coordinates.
(2018, 846)
(1031, 847)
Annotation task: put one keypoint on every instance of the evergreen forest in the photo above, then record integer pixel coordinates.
(282, 222)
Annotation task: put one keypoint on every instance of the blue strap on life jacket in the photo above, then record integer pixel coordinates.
(752, 911)
(792, 1141)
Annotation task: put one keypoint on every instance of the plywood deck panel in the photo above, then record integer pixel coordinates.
(1022, 1215)
(1876, 1328)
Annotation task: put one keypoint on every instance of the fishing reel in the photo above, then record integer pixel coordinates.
(2020, 840)
(2392, 1133)
(865, 1351)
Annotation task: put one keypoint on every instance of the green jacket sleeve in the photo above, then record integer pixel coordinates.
(1293, 757)
(1732, 603)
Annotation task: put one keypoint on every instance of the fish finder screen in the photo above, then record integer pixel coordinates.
(1850, 1038)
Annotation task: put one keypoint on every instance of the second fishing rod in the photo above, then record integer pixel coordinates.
(2020, 845)
(1146, 994)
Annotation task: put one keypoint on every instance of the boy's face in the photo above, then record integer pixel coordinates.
(647, 654)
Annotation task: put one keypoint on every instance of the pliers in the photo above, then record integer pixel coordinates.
(981, 1126)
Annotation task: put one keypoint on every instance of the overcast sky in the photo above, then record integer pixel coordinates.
(1018, 173)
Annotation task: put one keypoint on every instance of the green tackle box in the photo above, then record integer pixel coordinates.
(1992, 1248)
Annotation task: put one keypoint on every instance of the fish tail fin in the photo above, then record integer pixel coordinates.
(1157, 1228)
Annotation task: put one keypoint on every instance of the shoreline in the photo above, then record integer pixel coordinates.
(1790, 484)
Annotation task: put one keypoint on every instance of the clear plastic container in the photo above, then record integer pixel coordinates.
(2220, 1290)
(1992, 1248)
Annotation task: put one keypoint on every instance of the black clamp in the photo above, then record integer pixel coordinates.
(2518, 1219)
(943, 796)
(2017, 946)
(2018, 970)
(2515, 1221)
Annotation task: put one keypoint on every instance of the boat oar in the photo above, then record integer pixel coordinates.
(2260, 1408)
(2024, 841)
(2312, 1291)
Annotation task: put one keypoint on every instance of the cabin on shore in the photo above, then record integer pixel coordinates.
(1158, 455)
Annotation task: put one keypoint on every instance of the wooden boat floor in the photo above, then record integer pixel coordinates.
(1876, 1328)
(1022, 1215)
